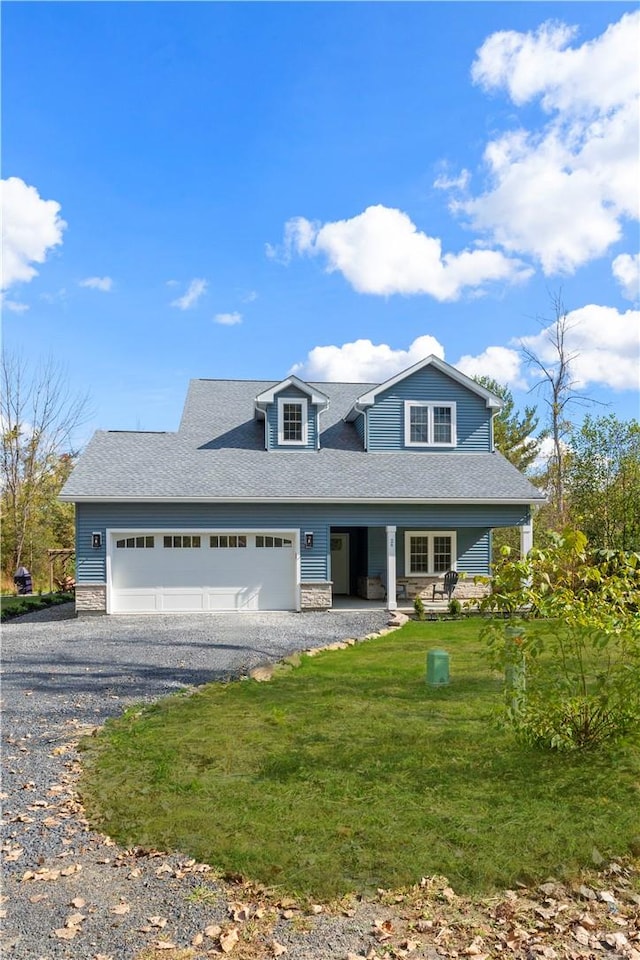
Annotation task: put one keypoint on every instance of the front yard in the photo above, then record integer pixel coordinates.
(348, 772)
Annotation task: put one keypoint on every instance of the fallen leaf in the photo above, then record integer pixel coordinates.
(197, 940)
(78, 903)
(213, 931)
(581, 935)
(229, 939)
(66, 933)
(278, 949)
(121, 909)
(75, 920)
(69, 871)
(164, 945)
(160, 922)
(239, 911)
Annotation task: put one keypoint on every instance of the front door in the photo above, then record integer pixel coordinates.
(340, 562)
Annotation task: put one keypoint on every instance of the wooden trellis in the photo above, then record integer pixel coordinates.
(65, 580)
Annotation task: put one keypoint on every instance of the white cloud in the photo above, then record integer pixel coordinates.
(382, 252)
(626, 270)
(249, 296)
(605, 345)
(363, 361)
(97, 283)
(446, 182)
(501, 363)
(31, 226)
(562, 192)
(15, 306)
(194, 291)
(228, 319)
(59, 296)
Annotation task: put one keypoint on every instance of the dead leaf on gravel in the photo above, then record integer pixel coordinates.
(581, 935)
(75, 920)
(197, 940)
(66, 933)
(213, 931)
(69, 871)
(121, 909)
(229, 939)
(159, 922)
(164, 945)
(239, 911)
(278, 949)
(78, 903)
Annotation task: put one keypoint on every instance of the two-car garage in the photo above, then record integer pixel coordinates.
(174, 571)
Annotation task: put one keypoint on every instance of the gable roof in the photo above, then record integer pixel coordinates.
(218, 455)
(368, 399)
(315, 395)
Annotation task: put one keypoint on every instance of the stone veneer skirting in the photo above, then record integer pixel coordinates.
(91, 598)
(411, 587)
(316, 595)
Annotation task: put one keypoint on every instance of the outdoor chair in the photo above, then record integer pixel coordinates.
(401, 589)
(448, 585)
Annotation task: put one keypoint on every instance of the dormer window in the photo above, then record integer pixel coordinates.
(428, 424)
(292, 421)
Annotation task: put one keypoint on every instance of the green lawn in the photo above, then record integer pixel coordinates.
(14, 606)
(350, 773)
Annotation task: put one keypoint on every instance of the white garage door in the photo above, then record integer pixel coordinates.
(176, 572)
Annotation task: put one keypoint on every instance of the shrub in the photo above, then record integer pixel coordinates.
(418, 606)
(582, 660)
(455, 607)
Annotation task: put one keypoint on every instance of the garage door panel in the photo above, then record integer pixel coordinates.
(185, 579)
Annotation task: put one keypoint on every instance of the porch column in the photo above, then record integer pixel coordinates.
(526, 538)
(391, 568)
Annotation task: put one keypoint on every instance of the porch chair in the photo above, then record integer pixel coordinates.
(401, 588)
(448, 586)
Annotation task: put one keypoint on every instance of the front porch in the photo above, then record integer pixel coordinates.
(393, 565)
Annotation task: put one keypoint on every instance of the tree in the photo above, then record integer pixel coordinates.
(554, 365)
(513, 433)
(38, 416)
(572, 642)
(603, 480)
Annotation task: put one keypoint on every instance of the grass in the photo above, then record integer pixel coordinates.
(11, 607)
(351, 773)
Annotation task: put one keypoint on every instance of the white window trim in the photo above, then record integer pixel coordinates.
(429, 534)
(303, 403)
(430, 404)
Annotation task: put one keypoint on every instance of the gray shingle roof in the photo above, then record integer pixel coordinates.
(218, 453)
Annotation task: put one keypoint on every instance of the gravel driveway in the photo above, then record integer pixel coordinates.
(83, 897)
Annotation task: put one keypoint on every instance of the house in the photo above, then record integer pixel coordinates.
(280, 496)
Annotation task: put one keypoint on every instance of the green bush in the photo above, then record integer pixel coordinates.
(11, 607)
(580, 668)
(418, 606)
(455, 607)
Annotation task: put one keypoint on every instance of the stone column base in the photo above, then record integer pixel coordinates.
(316, 595)
(91, 598)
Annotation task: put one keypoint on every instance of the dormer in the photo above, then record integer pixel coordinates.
(431, 407)
(291, 411)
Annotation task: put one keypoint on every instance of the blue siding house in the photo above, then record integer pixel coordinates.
(282, 495)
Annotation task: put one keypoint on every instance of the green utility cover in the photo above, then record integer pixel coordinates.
(437, 667)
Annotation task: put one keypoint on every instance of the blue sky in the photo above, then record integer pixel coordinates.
(245, 189)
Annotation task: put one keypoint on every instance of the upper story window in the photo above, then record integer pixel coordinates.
(428, 424)
(292, 421)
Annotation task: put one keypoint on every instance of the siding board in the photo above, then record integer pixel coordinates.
(312, 518)
(386, 416)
